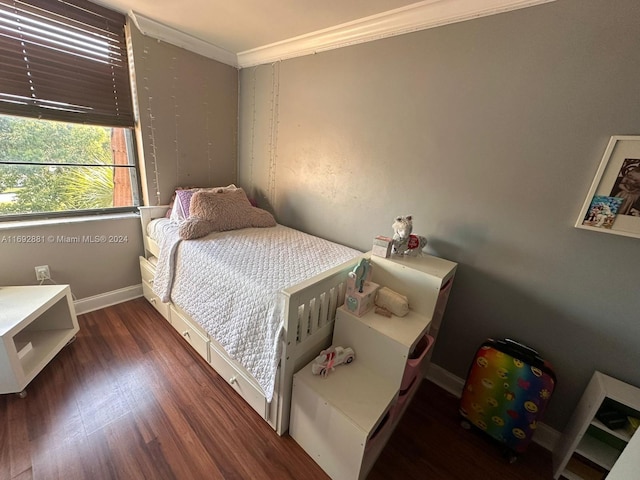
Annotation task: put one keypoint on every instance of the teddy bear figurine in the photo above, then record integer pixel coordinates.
(404, 242)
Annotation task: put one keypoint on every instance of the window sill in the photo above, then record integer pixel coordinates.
(26, 224)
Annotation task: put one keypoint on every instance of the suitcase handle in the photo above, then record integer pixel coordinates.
(528, 354)
(522, 347)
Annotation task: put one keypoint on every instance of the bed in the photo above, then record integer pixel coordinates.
(257, 304)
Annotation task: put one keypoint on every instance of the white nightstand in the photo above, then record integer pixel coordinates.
(36, 322)
(587, 441)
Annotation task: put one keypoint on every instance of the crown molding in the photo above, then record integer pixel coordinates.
(412, 18)
(160, 31)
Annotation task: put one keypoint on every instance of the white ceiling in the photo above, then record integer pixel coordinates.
(250, 32)
(240, 25)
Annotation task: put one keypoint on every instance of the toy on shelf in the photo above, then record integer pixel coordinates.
(361, 273)
(390, 303)
(360, 289)
(330, 358)
(382, 246)
(404, 242)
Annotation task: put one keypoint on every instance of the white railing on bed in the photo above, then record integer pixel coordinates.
(311, 307)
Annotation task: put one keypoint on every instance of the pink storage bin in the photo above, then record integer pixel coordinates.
(414, 362)
(382, 427)
(403, 398)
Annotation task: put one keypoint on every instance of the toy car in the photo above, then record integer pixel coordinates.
(331, 357)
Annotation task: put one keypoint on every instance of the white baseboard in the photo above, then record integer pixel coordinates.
(96, 302)
(545, 436)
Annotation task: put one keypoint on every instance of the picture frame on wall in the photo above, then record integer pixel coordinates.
(612, 204)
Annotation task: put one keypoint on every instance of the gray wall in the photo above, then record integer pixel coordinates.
(188, 106)
(489, 132)
(89, 268)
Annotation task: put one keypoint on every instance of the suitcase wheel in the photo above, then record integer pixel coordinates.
(509, 455)
(465, 424)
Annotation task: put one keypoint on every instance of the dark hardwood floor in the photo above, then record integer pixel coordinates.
(129, 400)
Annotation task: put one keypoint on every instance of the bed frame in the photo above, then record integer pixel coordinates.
(310, 311)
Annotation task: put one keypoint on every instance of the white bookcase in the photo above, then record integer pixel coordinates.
(588, 449)
(343, 421)
(36, 322)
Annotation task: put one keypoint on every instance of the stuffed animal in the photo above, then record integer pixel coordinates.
(404, 243)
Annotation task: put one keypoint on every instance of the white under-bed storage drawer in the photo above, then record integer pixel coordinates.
(239, 380)
(191, 333)
(147, 271)
(154, 300)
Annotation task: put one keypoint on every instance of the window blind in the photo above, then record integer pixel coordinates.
(64, 60)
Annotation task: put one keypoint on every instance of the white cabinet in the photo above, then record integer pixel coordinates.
(628, 464)
(36, 322)
(588, 449)
(343, 421)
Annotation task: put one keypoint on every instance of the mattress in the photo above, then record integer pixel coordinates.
(154, 227)
(230, 284)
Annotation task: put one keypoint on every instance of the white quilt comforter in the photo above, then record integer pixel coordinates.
(230, 283)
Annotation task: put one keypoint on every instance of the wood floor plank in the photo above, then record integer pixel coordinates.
(130, 400)
(430, 440)
(14, 444)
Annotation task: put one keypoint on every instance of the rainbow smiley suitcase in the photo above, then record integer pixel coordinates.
(506, 392)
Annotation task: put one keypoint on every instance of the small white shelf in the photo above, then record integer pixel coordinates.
(406, 331)
(587, 436)
(36, 322)
(356, 391)
(45, 344)
(597, 451)
(621, 434)
(569, 475)
(577, 469)
(628, 464)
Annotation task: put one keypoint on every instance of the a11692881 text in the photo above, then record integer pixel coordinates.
(30, 239)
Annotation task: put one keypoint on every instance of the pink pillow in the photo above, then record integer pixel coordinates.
(182, 203)
(219, 211)
(173, 200)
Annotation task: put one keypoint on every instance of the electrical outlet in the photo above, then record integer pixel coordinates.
(42, 273)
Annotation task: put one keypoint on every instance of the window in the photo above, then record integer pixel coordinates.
(66, 115)
(48, 166)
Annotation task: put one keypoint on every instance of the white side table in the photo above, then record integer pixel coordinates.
(586, 437)
(36, 322)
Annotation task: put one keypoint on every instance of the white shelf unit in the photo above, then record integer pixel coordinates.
(36, 322)
(343, 421)
(628, 464)
(587, 437)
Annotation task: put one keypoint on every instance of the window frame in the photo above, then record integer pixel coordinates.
(94, 19)
(132, 167)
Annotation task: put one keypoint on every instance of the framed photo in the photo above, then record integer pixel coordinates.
(613, 202)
